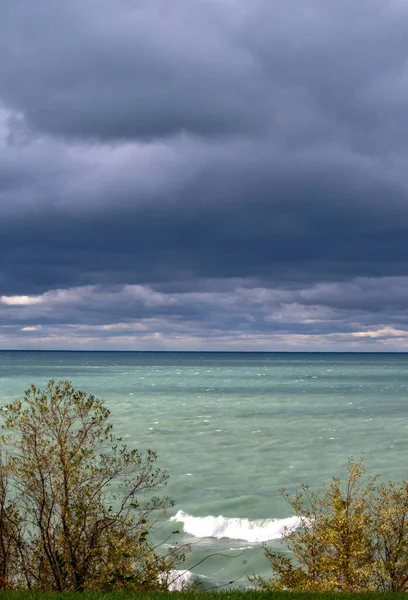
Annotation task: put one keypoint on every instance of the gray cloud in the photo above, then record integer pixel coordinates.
(264, 318)
(108, 215)
(151, 69)
(202, 152)
(129, 69)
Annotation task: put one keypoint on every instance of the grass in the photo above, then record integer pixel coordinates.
(221, 595)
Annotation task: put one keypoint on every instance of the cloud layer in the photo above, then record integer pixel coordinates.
(211, 175)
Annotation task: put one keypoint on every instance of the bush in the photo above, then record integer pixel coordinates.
(76, 506)
(352, 538)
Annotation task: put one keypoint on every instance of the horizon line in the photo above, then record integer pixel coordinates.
(208, 351)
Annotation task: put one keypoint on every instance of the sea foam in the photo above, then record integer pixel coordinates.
(233, 528)
(178, 580)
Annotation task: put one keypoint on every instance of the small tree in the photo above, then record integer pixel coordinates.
(86, 503)
(352, 538)
(390, 535)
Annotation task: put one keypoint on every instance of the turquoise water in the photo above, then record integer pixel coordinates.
(231, 429)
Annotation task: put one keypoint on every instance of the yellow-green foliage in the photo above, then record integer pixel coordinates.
(76, 506)
(353, 538)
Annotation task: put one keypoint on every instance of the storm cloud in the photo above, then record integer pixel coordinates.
(224, 174)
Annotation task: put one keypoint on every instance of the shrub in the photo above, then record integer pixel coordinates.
(76, 505)
(352, 538)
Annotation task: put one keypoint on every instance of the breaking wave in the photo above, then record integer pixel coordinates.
(261, 530)
(178, 580)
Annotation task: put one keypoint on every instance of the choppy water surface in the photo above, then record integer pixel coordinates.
(231, 429)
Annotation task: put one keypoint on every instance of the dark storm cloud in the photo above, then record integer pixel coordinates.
(277, 218)
(204, 148)
(147, 69)
(128, 69)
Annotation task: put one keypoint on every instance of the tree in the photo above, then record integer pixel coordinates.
(390, 533)
(83, 503)
(351, 538)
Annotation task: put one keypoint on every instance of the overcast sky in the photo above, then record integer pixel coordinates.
(204, 174)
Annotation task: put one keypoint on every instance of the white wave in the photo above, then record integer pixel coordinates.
(177, 580)
(235, 529)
